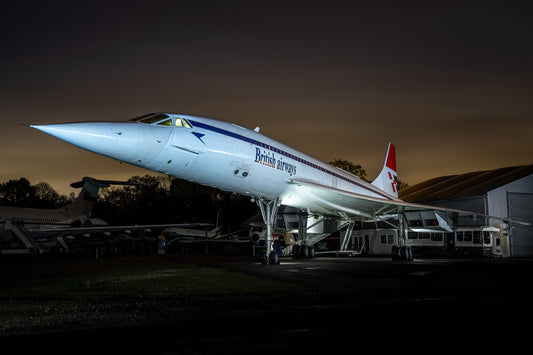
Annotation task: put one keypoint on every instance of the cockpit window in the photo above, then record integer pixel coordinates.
(165, 123)
(154, 119)
(136, 119)
(182, 122)
(151, 118)
(161, 119)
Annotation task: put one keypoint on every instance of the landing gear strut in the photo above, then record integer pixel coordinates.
(269, 211)
(304, 250)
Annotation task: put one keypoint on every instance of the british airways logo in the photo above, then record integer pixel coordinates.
(269, 159)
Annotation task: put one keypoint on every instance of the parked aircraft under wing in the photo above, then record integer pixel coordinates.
(37, 227)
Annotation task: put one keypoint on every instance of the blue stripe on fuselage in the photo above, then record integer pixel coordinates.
(279, 151)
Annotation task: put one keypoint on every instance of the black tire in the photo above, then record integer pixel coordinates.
(409, 253)
(312, 254)
(263, 259)
(295, 251)
(304, 252)
(395, 252)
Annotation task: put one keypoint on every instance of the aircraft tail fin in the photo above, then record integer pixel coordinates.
(84, 204)
(387, 179)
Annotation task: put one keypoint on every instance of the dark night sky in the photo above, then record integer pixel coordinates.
(449, 83)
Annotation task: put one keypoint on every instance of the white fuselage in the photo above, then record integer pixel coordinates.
(214, 153)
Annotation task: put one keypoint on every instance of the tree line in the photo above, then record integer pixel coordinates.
(20, 193)
(157, 200)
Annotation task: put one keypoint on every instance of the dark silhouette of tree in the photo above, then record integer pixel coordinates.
(349, 167)
(18, 193)
(171, 200)
(402, 185)
(46, 196)
(358, 170)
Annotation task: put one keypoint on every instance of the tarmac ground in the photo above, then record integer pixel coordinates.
(330, 304)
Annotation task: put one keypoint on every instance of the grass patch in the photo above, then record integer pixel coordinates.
(89, 279)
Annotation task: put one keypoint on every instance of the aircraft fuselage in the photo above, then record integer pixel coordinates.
(213, 153)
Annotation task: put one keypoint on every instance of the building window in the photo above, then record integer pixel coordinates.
(477, 237)
(387, 239)
(436, 237)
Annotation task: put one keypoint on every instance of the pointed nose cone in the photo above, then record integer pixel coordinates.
(97, 137)
(131, 142)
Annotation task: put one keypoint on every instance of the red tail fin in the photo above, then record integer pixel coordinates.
(387, 179)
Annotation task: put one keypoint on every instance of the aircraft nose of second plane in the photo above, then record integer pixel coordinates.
(119, 140)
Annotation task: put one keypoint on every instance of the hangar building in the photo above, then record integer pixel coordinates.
(506, 193)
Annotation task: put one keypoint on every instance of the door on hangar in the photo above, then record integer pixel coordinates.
(520, 207)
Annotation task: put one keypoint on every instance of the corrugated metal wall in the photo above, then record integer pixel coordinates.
(521, 209)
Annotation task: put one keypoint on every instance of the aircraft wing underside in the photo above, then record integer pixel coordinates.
(327, 200)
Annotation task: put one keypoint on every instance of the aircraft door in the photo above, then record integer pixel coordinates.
(487, 243)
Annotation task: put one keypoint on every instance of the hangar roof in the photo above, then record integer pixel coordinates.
(470, 184)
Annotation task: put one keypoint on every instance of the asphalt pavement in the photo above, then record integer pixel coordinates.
(353, 304)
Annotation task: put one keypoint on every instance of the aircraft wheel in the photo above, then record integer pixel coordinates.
(295, 251)
(405, 253)
(304, 252)
(395, 252)
(264, 260)
(273, 259)
(311, 252)
(409, 253)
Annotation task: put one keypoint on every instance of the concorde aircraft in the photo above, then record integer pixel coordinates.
(233, 158)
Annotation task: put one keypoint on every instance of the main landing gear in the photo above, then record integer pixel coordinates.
(303, 250)
(401, 253)
(269, 211)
